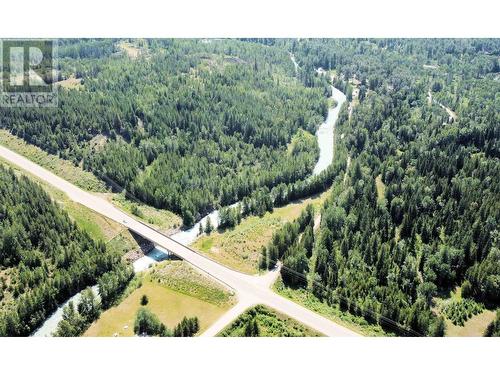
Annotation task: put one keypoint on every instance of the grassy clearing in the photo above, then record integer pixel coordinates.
(60, 167)
(71, 83)
(163, 220)
(206, 243)
(130, 49)
(474, 325)
(98, 226)
(300, 136)
(270, 324)
(458, 312)
(181, 277)
(380, 188)
(240, 248)
(344, 318)
(174, 290)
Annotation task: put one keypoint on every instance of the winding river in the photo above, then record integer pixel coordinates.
(325, 135)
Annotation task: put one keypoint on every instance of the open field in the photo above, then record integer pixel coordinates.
(168, 305)
(174, 290)
(130, 49)
(270, 324)
(240, 248)
(163, 220)
(344, 318)
(71, 83)
(183, 278)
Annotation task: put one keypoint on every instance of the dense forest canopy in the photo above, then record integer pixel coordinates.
(44, 257)
(419, 210)
(187, 125)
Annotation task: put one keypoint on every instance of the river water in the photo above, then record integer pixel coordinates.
(325, 135)
(50, 325)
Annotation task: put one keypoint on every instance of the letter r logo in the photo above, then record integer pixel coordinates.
(27, 65)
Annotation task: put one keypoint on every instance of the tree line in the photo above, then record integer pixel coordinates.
(147, 324)
(44, 257)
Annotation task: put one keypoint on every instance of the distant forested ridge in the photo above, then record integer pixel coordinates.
(44, 257)
(187, 125)
(418, 211)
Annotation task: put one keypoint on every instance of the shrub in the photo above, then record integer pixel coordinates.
(466, 289)
(148, 324)
(460, 311)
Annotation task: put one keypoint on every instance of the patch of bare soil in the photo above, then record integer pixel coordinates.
(71, 83)
(131, 50)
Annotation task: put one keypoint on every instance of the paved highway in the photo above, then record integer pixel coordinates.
(250, 290)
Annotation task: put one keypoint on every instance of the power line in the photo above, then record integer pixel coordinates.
(375, 315)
